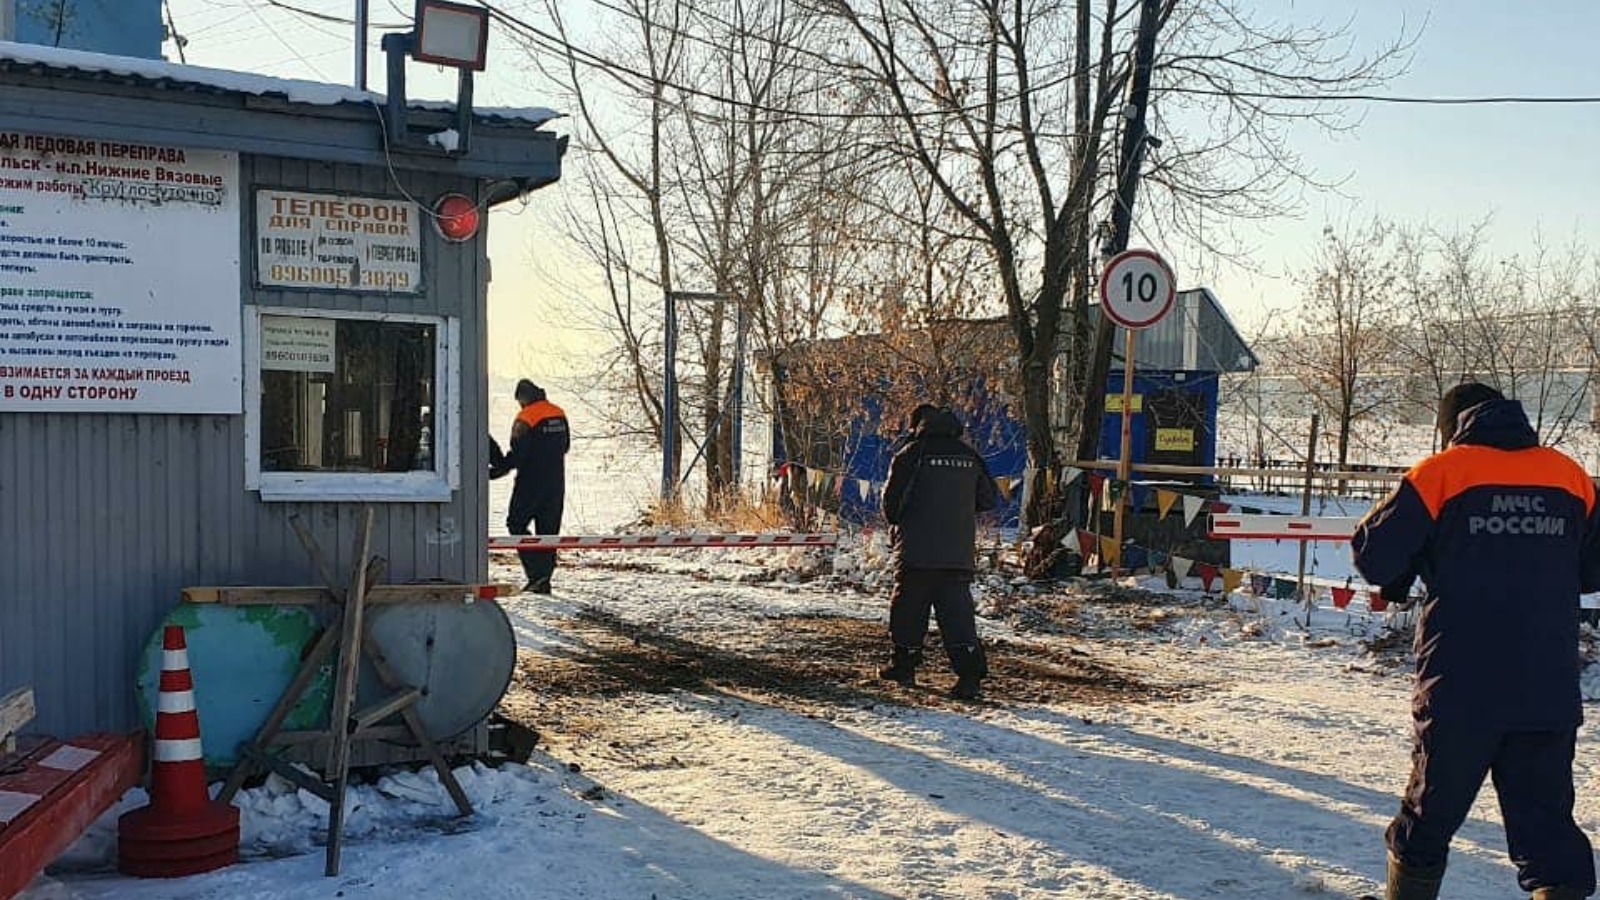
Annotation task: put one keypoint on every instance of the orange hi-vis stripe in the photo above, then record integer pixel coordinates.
(1444, 476)
(538, 411)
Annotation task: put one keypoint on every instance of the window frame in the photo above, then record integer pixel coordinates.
(438, 486)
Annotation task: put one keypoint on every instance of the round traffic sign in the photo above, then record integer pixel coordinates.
(1137, 289)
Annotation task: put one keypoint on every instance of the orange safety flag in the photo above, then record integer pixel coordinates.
(1231, 579)
(1110, 553)
(1165, 500)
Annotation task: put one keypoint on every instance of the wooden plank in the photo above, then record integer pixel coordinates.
(352, 629)
(391, 680)
(377, 712)
(292, 774)
(16, 710)
(375, 733)
(29, 842)
(309, 668)
(381, 594)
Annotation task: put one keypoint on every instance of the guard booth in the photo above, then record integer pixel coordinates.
(1175, 385)
(232, 307)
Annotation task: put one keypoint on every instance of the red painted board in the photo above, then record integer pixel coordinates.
(70, 802)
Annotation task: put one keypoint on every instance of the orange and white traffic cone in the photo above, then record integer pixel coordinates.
(182, 831)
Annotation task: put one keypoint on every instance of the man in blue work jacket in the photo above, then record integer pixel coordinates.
(1503, 532)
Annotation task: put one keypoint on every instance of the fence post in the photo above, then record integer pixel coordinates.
(1309, 597)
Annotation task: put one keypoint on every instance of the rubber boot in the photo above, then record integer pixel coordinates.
(971, 668)
(1410, 883)
(903, 667)
(1560, 893)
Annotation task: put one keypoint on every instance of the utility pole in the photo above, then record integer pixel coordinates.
(1129, 163)
(361, 45)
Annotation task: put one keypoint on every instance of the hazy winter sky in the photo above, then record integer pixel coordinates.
(1530, 167)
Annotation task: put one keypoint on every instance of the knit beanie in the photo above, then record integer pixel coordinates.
(1458, 400)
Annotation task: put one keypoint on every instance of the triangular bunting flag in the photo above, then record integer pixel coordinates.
(1096, 483)
(817, 478)
(1086, 543)
(1231, 579)
(1376, 603)
(1004, 484)
(1217, 506)
(1208, 575)
(1069, 475)
(1070, 539)
(1191, 508)
(1157, 560)
(1164, 501)
(1181, 566)
(865, 488)
(1110, 553)
(1342, 597)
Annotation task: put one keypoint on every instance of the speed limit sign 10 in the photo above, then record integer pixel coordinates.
(1137, 289)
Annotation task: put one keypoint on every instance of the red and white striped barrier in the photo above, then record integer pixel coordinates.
(662, 541)
(1285, 528)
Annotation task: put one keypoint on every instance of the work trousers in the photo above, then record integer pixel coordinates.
(1532, 773)
(947, 595)
(544, 514)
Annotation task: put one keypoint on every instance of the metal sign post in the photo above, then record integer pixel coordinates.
(1137, 290)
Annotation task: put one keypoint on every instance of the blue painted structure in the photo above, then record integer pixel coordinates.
(990, 428)
(121, 28)
(1199, 390)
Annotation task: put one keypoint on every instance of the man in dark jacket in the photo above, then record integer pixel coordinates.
(539, 444)
(1503, 533)
(937, 486)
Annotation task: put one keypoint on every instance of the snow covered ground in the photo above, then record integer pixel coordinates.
(1263, 761)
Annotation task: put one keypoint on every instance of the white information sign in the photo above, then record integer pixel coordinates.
(119, 277)
(297, 344)
(333, 242)
(1137, 289)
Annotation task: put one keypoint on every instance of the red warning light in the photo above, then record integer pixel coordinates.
(456, 217)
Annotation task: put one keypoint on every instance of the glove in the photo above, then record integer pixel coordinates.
(1398, 594)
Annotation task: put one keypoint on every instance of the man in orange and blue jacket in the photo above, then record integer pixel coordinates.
(1504, 533)
(540, 440)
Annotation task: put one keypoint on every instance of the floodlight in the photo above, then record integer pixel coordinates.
(452, 34)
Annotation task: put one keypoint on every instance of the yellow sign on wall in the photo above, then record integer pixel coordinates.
(1114, 403)
(1175, 439)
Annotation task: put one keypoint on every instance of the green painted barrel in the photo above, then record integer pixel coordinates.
(243, 658)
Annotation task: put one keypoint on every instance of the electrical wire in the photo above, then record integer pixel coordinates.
(558, 44)
(1390, 98)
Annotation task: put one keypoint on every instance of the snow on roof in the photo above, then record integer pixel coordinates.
(313, 93)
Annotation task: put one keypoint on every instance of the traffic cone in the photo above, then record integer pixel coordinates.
(182, 831)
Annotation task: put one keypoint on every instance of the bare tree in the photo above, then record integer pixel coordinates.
(1341, 340)
(1033, 128)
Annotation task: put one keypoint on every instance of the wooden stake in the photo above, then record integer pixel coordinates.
(344, 690)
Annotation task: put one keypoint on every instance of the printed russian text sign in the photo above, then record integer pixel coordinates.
(119, 277)
(297, 344)
(341, 243)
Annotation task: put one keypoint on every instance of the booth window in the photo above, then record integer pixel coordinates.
(350, 406)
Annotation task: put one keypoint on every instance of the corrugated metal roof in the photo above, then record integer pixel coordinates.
(1197, 336)
(294, 90)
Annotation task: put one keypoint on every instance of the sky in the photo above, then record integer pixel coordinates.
(1531, 168)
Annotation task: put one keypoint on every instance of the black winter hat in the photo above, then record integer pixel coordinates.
(529, 392)
(1458, 400)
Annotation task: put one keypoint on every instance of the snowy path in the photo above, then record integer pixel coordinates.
(1274, 781)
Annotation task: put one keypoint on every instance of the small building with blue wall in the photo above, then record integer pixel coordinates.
(847, 430)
